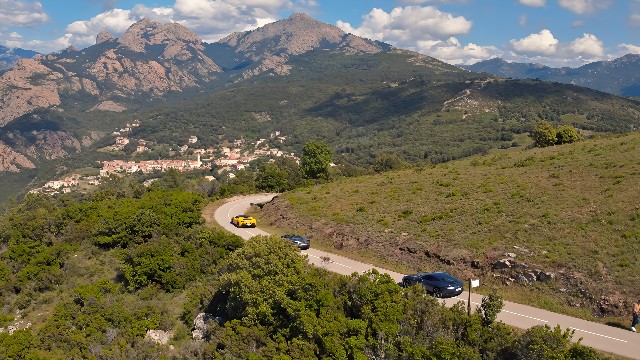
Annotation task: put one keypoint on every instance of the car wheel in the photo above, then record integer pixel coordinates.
(437, 292)
(405, 284)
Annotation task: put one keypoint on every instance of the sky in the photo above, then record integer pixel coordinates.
(556, 33)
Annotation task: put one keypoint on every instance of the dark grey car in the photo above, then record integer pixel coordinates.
(439, 284)
(301, 242)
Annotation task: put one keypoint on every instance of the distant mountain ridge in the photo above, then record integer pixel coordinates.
(308, 79)
(149, 61)
(620, 76)
(152, 59)
(10, 56)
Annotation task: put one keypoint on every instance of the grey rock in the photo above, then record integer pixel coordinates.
(501, 264)
(159, 336)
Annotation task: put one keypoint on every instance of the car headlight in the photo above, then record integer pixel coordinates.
(450, 287)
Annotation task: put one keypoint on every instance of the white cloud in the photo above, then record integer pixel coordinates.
(213, 20)
(629, 49)
(582, 7)
(588, 45)
(451, 51)
(21, 13)
(116, 21)
(404, 27)
(419, 2)
(540, 43)
(210, 19)
(533, 3)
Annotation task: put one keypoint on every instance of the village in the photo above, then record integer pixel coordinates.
(227, 159)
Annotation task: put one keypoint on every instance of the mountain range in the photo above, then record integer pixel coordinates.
(306, 78)
(619, 76)
(9, 56)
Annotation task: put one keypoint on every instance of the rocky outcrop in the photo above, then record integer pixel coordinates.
(104, 36)
(201, 323)
(270, 46)
(147, 32)
(182, 63)
(28, 86)
(159, 336)
(12, 161)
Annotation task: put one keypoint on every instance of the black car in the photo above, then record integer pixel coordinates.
(439, 284)
(301, 242)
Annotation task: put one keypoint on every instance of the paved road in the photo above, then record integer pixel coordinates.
(598, 336)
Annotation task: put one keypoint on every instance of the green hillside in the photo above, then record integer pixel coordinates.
(571, 210)
(364, 106)
(367, 105)
(92, 277)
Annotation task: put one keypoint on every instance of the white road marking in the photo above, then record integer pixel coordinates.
(331, 261)
(507, 311)
(528, 317)
(465, 300)
(592, 333)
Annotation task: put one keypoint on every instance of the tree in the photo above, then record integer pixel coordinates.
(316, 157)
(271, 178)
(566, 134)
(543, 134)
(491, 306)
(388, 162)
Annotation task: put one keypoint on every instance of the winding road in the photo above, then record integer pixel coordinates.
(605, 338)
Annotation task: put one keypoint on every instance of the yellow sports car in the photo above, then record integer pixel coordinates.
(243, 221)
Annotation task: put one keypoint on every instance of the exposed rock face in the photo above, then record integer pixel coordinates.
(270, 46)
(200, 325)
(159, 336)
(13, 161)
(296, 35)
(181, 64)
(104, 36)
(28, 86)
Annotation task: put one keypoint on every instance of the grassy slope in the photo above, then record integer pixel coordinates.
(575, 207)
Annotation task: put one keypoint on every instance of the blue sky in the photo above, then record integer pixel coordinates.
(552, 32)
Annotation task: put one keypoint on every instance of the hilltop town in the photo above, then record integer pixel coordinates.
(225, 159)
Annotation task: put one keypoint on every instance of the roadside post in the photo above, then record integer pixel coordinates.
(472, 283)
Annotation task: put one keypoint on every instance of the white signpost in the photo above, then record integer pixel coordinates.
(472, 284)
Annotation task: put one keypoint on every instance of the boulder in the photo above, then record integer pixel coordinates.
(201, 324)
(159, 336)
(546, 276)
(501, 264)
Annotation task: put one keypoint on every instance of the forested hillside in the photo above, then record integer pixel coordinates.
(88, 277)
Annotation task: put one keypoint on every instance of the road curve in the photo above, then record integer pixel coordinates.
(605, 338)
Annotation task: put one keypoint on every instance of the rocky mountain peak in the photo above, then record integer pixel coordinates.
(71, 48)
(295, 35)
(147, 32)
(104, 36)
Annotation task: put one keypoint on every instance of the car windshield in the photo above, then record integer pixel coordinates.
(445, 277)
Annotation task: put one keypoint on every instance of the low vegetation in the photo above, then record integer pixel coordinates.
(88, 276)
(571, 210)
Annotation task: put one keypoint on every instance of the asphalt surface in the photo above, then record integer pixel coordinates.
(605, 338)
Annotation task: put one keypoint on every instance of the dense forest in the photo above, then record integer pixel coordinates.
(92, 274)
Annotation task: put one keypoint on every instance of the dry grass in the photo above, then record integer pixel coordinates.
(576, 208)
